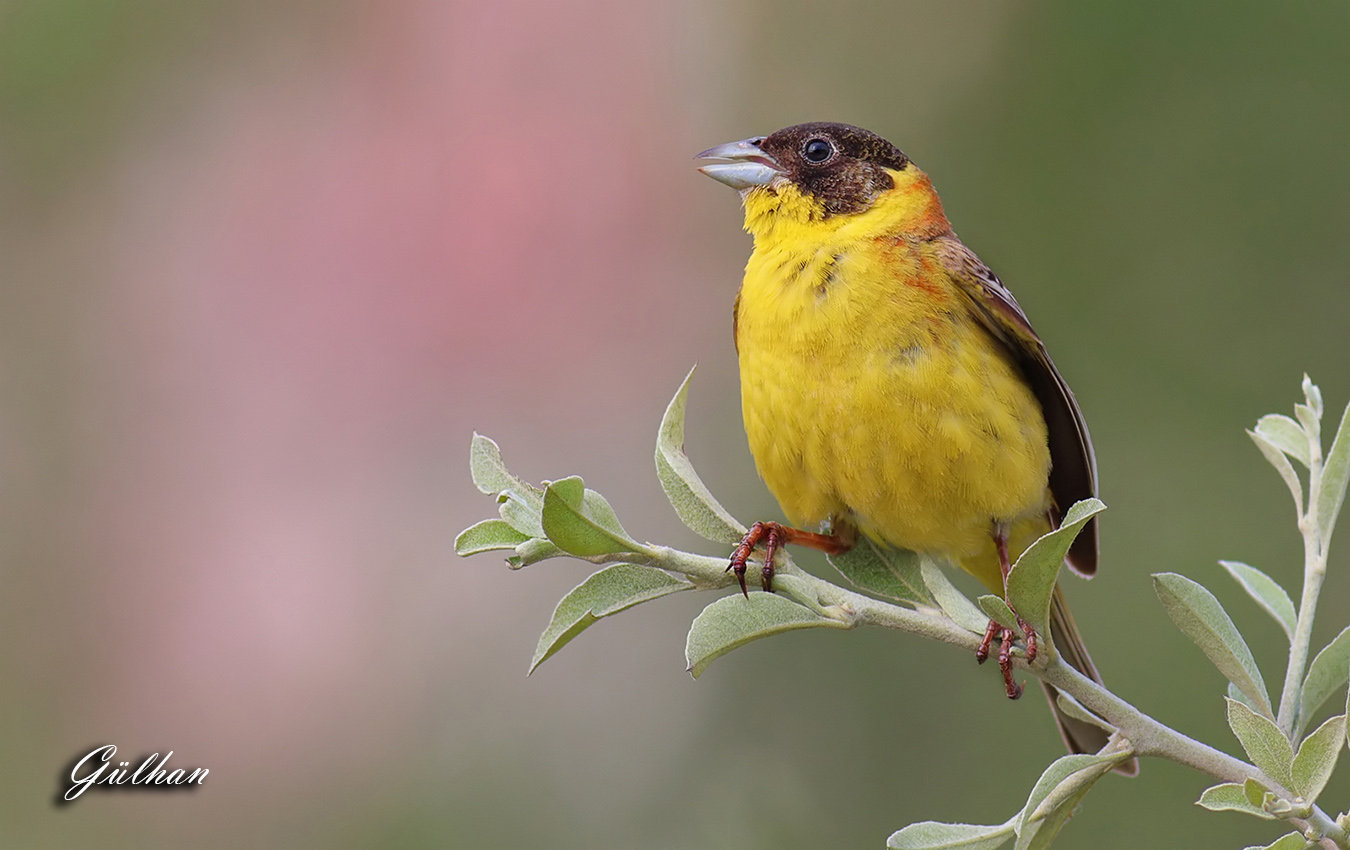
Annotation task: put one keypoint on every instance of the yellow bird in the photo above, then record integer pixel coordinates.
(890, 383)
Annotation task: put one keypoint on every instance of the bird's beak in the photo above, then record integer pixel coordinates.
(741, 165)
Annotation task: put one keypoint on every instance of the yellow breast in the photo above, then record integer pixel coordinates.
(869, 390)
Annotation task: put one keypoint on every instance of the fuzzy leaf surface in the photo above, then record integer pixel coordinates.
(892, 573)
(567, 524)
(931, 835)
(1291, 841)
(1316, 758)
(609, 591)
(1202, 619)
(996, 609)
(1335, 476)
(733, 621)
(487, 536)
(1032, 580)
(1231, 797)
(1286, 435)
(1280, 461)
(1266, 592)
(1326, 675)
(952, 601)
(691, 499)
(1263, 742)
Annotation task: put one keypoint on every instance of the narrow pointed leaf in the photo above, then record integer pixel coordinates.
(692, 501)
(565, 522)
(1310, 419)
(996, 609)
(1313, 395)
(1326, 675)
(733, 621)
(931, 835)
(952, 601)
(1263, 741)
(1335, 475)
(1061, 780)
(1267, 594)
(606, 592)
(1316, 758)
(1078, 711)
(1032, 580)
(1291, 841)
(1280, 461)
(1234, 693)
(486, 536)
(1286, 435)
(892, 573)
(1231, 797)
(1202, 619)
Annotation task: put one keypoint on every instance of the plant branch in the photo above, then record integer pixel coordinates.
(1314, 572)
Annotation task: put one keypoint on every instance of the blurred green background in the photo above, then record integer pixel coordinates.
(266, 266)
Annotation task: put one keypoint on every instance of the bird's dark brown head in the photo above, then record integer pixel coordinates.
(842, 167)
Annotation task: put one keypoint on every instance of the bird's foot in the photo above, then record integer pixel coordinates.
(774, 536)
(1005, 638)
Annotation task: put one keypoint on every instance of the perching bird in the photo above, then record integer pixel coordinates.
(890, 383)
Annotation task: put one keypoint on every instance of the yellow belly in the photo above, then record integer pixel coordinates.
(871, 394)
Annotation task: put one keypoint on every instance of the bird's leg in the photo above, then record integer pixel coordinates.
(774, 536)
(996, 631)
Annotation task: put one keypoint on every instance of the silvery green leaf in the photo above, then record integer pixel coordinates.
(533, 551)
(1200, 616)
(1291, 841)
(1312, 395)
(952, 601)
(1061, 779)
(1310, 419)
(519, 511)
(1231, 797)
(1326, 675)
(1280, 461)
(1335, 475)
(893, 573)
(692, 501)
(1316, 758)
(931, 835)
(1267, 594)
(1078, 711)
(1032, 580)
(565, 522)
(489, 472)
(606, 592)
(733, 621)
(1286, 435)
(996, 609)
(1256, 793)
(597, 508)
(1234, 693)
(1263, 741)
(486, 536)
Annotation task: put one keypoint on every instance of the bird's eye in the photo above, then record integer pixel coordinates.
(817, 150)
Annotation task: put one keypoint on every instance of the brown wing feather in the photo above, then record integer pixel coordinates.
(1073, 471)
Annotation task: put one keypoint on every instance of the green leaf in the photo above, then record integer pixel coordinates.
(1057, 793)
(565, 522)
(1335, 475)
(1313, 395)
(1231, 797)
(952, 601)
(1292, 841)
(1078, 711)
(1286, 435)
(692, 501)
(931, 835)
(996, 609)
(1202, 619)
(1061, 779)
(533, 551)
(606, 592)
(1326, 675)
(486, 536)
(1255, 792)
(1316, 758)
(733, 621)
(1310, 419)
(489, 472)
(598, 509)
(1263, 741)
(1280, 461)
(1267, 594)
(892, 573)
(1234, 693)
(1032, 580)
